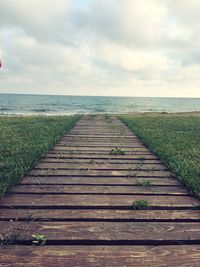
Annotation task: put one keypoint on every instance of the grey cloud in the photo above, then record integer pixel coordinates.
(90, 46)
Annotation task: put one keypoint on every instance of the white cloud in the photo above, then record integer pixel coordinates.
(131, 22)
(129, 47)
(44, 19)
(187, 11)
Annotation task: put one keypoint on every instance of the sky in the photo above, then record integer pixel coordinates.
(100, 47)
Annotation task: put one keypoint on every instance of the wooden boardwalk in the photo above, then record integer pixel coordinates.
(79, 197)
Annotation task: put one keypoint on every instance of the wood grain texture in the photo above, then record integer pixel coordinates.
(97, 166)
(99, 214)
(117, 190)
(31, 200)
(109, 231)
(96, 256)
(99, 173)
(99, 156)
(110, 180)
(100, 161)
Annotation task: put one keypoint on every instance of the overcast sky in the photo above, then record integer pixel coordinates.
(100, 47)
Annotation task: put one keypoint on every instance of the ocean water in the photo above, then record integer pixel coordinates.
(65, 105)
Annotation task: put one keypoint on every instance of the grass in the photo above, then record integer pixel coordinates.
(93, 116)
(140, 204)
(24, 140)
(108, 118)
(143, 183)
(117, 151)
(175, 139)
(39, 240)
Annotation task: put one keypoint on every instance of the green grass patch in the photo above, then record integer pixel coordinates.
(143, 183)
(175, 139)
(24, 140)
(140, 204)
(117, 151)
(108, 118)
(39, 240)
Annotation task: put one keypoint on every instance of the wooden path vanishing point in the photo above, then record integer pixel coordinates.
(79, 197)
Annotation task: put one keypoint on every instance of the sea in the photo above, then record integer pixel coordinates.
(24, 104)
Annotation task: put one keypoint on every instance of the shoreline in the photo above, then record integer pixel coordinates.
(179, 113)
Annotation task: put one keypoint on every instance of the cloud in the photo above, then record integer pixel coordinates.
(129, 22)
(112, 47)
(187, 12)
(44, 20)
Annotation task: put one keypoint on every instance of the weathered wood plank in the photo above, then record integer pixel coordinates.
(98, 146)
(96, 256)
(97, 140)
(97, 180)
(99, 130)
(106, 231)
(100, 149)
(89, 143)
(103, 135)
(99, 214)
(69, 189)
(100, 156)
(103, 173)
(98, 153)
(100, 161)
(104, 166)
(43, 200)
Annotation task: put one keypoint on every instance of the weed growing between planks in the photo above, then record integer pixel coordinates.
(117, 151)
(39, 240)
(108, 118)
(143, 183)
(140, 204)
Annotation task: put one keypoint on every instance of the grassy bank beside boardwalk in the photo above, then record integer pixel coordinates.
(24, 140)
(175, 138)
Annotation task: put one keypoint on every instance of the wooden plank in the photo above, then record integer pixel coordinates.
(97, 180)
(101, 131)
(70, 189)
(98, 130)
(97, 153)
(53, 200)
(96, 166)
(99, 214)
(121, 173)
(96, 143)
(100, 156)
(104, 135)
(98, 134)
(100, 161)
(89, 144)
(100, 149)
(104, 231)
(96, 256)
(109, 127)
(101, 140)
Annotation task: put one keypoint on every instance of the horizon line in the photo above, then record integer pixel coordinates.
(36, 94)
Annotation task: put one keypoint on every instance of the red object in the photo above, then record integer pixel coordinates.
(0, 63)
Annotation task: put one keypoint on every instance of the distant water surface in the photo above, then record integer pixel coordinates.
(65, 105)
